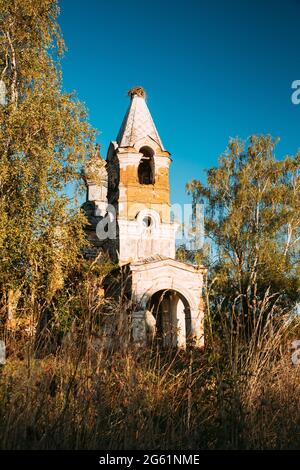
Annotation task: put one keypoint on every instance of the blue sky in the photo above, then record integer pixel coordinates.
(212, 70)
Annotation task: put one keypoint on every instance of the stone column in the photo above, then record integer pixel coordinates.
(197, 331)
(181, 326)
(173, 319)
(139, 327)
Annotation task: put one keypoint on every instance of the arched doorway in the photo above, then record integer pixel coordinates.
(173, 318)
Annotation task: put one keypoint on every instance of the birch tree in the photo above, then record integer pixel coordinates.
(44, 137)
(252, 219)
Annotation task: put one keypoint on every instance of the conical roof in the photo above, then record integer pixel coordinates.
(138, 122)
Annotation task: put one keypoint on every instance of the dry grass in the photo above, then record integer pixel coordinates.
(232, 396)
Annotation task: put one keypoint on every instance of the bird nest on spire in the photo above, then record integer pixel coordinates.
(137, 90)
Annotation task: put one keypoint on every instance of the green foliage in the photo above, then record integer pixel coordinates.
(252, 218)
(196, 257)
(44, 138)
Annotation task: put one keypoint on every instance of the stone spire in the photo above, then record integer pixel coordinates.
(138, 122)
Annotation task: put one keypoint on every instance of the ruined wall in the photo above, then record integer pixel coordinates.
(151, 277)
(134, 196)
(130, 199)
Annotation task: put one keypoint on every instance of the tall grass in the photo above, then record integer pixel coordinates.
(89, 394)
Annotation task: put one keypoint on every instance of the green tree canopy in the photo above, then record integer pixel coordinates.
(252, 218)
(44, 137)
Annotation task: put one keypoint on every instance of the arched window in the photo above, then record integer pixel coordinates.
(146, 166)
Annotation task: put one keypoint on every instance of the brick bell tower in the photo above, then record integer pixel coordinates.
(136, 175)
(138, 186)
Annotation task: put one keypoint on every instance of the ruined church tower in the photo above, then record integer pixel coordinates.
(133, 188)
(138, 186)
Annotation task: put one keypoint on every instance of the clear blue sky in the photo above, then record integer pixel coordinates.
(212, 70)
